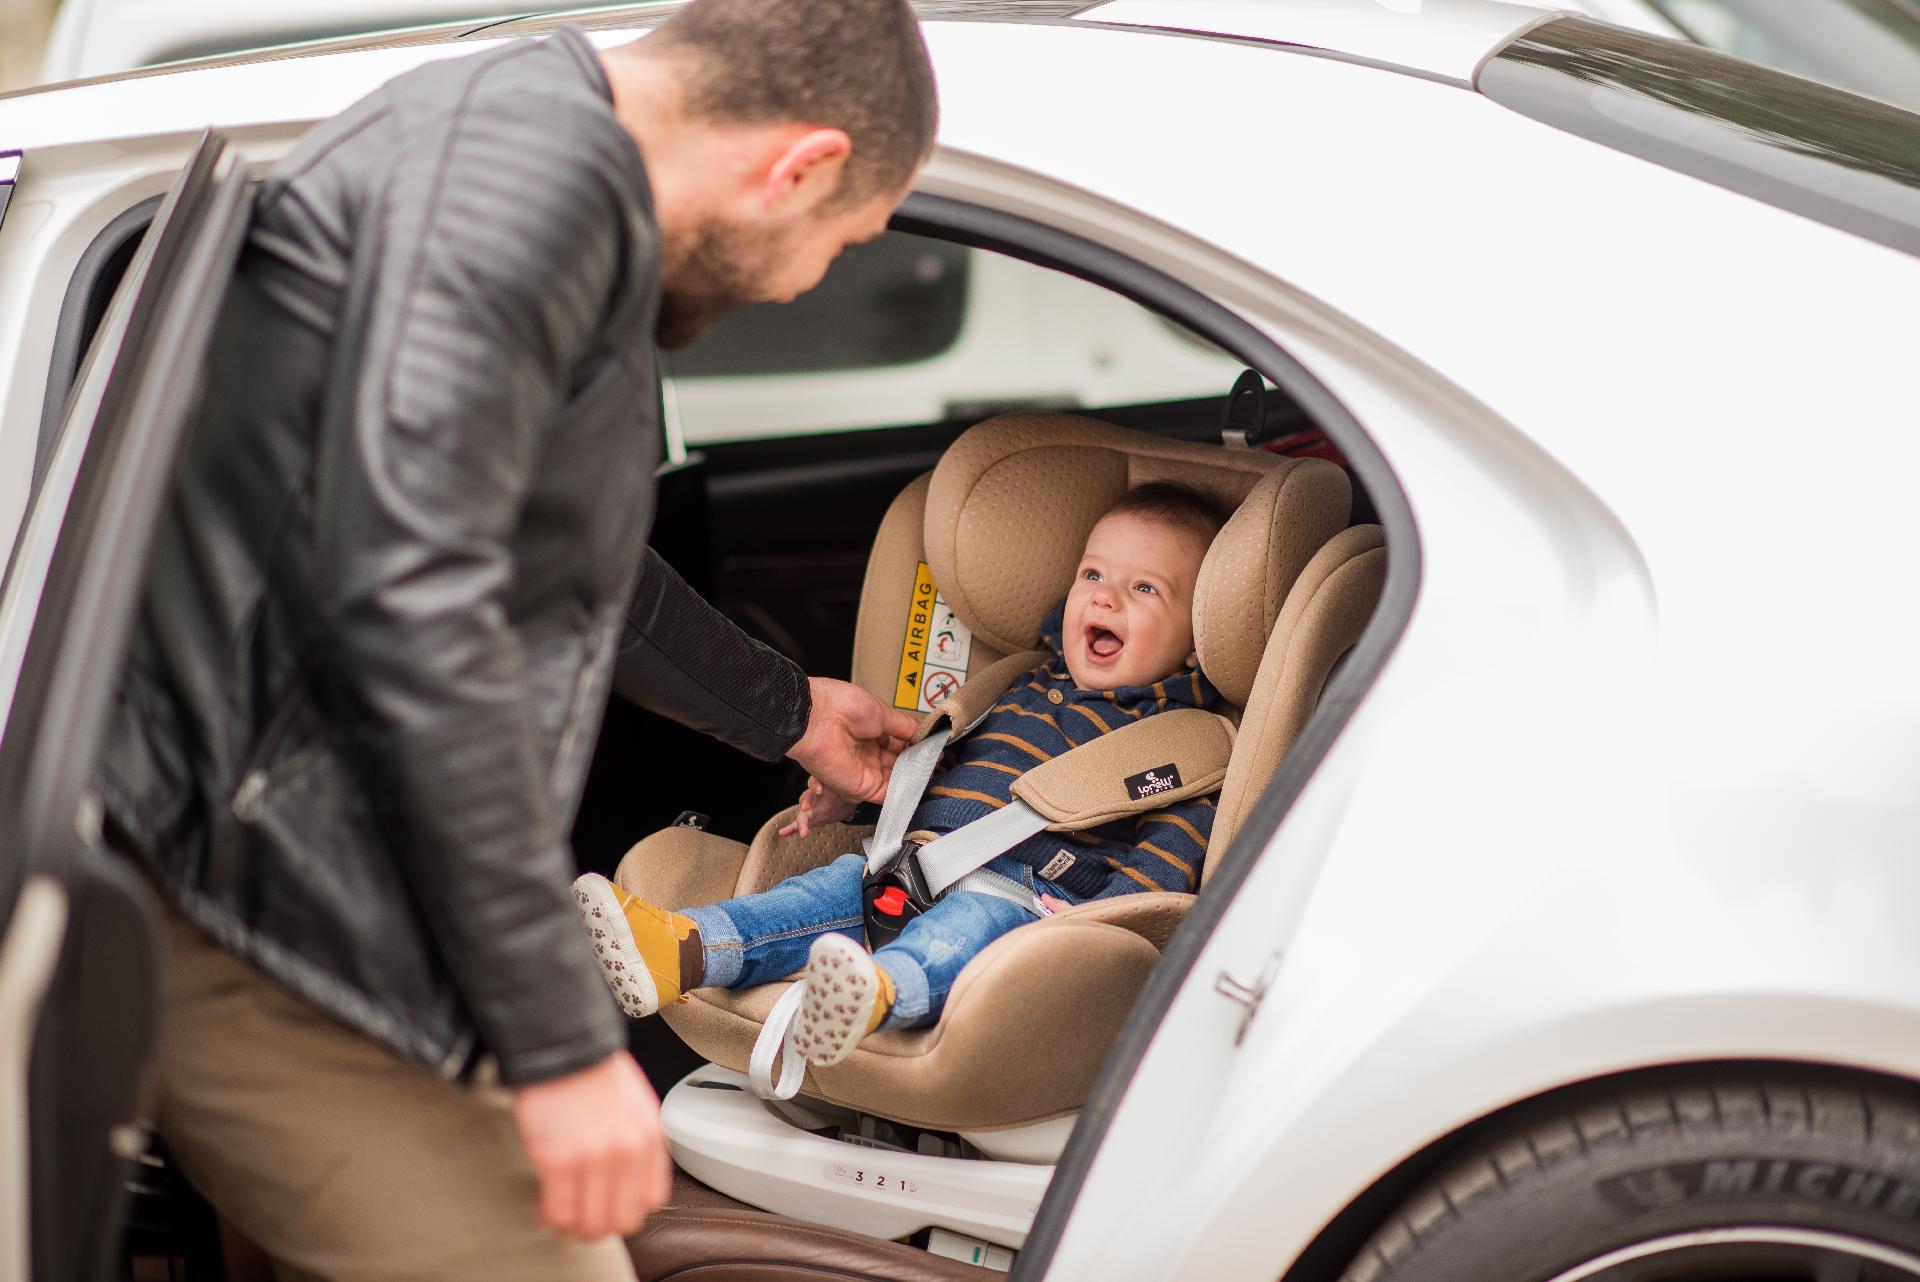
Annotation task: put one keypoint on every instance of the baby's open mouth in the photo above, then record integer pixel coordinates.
(1101, 643)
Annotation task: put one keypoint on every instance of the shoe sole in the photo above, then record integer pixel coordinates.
(614, 947)
(841, 990)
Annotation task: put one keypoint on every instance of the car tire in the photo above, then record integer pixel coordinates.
(1735, 1172)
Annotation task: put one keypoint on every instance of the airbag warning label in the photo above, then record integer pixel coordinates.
(935, 651)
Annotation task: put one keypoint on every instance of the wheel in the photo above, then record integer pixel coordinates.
(1730, 1174)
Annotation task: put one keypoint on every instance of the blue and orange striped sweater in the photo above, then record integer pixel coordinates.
(1042, 717)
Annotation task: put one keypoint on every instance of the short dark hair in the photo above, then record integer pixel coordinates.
(855, 65)
(1176, 505)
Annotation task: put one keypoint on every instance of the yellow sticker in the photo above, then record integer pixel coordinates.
(935, 652)
(913, 648)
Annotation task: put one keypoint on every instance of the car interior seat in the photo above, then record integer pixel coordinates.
(980, 550)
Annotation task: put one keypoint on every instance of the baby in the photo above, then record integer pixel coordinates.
(1123, 649)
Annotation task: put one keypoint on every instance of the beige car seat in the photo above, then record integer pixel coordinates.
(998, 527)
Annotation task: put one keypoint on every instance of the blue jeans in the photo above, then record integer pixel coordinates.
(757, 939)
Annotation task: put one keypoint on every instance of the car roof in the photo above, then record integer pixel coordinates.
(1444, 39)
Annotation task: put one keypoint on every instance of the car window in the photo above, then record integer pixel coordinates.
(898, 300)
(915, 330)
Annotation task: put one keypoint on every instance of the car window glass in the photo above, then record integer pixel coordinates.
(913, 330)
(898, 300)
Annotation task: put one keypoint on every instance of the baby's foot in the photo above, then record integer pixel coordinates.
(650, 956)
(848, 996)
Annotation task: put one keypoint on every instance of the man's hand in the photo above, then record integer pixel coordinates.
(851, 740)
(595, 1141)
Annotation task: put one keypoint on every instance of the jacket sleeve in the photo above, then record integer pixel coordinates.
(685, 660)
(1167, 850)
(490, 264)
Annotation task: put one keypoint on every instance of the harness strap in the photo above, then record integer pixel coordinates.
(908, 783)
(944, 861)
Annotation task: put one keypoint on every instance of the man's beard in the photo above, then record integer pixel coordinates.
(716, 269)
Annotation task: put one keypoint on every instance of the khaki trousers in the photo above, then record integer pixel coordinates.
(342, 1161)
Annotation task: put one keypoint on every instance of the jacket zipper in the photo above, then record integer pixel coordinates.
(252, 788)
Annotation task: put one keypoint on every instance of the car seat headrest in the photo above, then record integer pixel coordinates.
(1012, 501)
(1286, 518)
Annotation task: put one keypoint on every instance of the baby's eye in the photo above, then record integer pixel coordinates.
(1090, 575)
(1148, 588)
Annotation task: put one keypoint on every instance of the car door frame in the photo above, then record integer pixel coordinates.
(69, 1079)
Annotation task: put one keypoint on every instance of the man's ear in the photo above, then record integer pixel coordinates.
(807, 169)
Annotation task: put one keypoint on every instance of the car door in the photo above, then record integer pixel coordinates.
(79, 951)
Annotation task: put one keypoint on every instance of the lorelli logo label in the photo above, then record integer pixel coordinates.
(1148, 782)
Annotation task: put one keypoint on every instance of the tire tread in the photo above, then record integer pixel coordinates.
(1757, 1103)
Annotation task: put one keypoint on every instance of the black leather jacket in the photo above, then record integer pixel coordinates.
(400, 561)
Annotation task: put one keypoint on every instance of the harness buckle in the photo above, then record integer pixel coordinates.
(893, 895)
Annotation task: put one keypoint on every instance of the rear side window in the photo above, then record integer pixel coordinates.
(892, 302)
(1848, 161)
(912, 330)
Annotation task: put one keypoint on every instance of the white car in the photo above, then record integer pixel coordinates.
(1572, 938)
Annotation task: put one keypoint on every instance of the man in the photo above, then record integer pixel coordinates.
(393, 584)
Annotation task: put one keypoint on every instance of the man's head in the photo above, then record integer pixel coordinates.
(1129, 618)
(775, 134)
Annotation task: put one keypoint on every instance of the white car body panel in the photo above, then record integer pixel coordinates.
(101, 37)
(1638, 14)
(1637, 785)
(1440, 38)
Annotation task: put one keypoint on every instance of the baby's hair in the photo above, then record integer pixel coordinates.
(1176, 505)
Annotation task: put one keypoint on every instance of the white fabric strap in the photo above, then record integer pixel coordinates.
(773, 1043)
(946, 860)
(911, 771)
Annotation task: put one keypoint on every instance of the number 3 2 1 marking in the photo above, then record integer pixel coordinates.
(875, 1180)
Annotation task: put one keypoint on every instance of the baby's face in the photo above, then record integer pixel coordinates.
(1129, 618)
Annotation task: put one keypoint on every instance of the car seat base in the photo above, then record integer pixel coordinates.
(833, 1167)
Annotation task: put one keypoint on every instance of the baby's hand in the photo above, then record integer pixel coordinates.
(818, 805)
